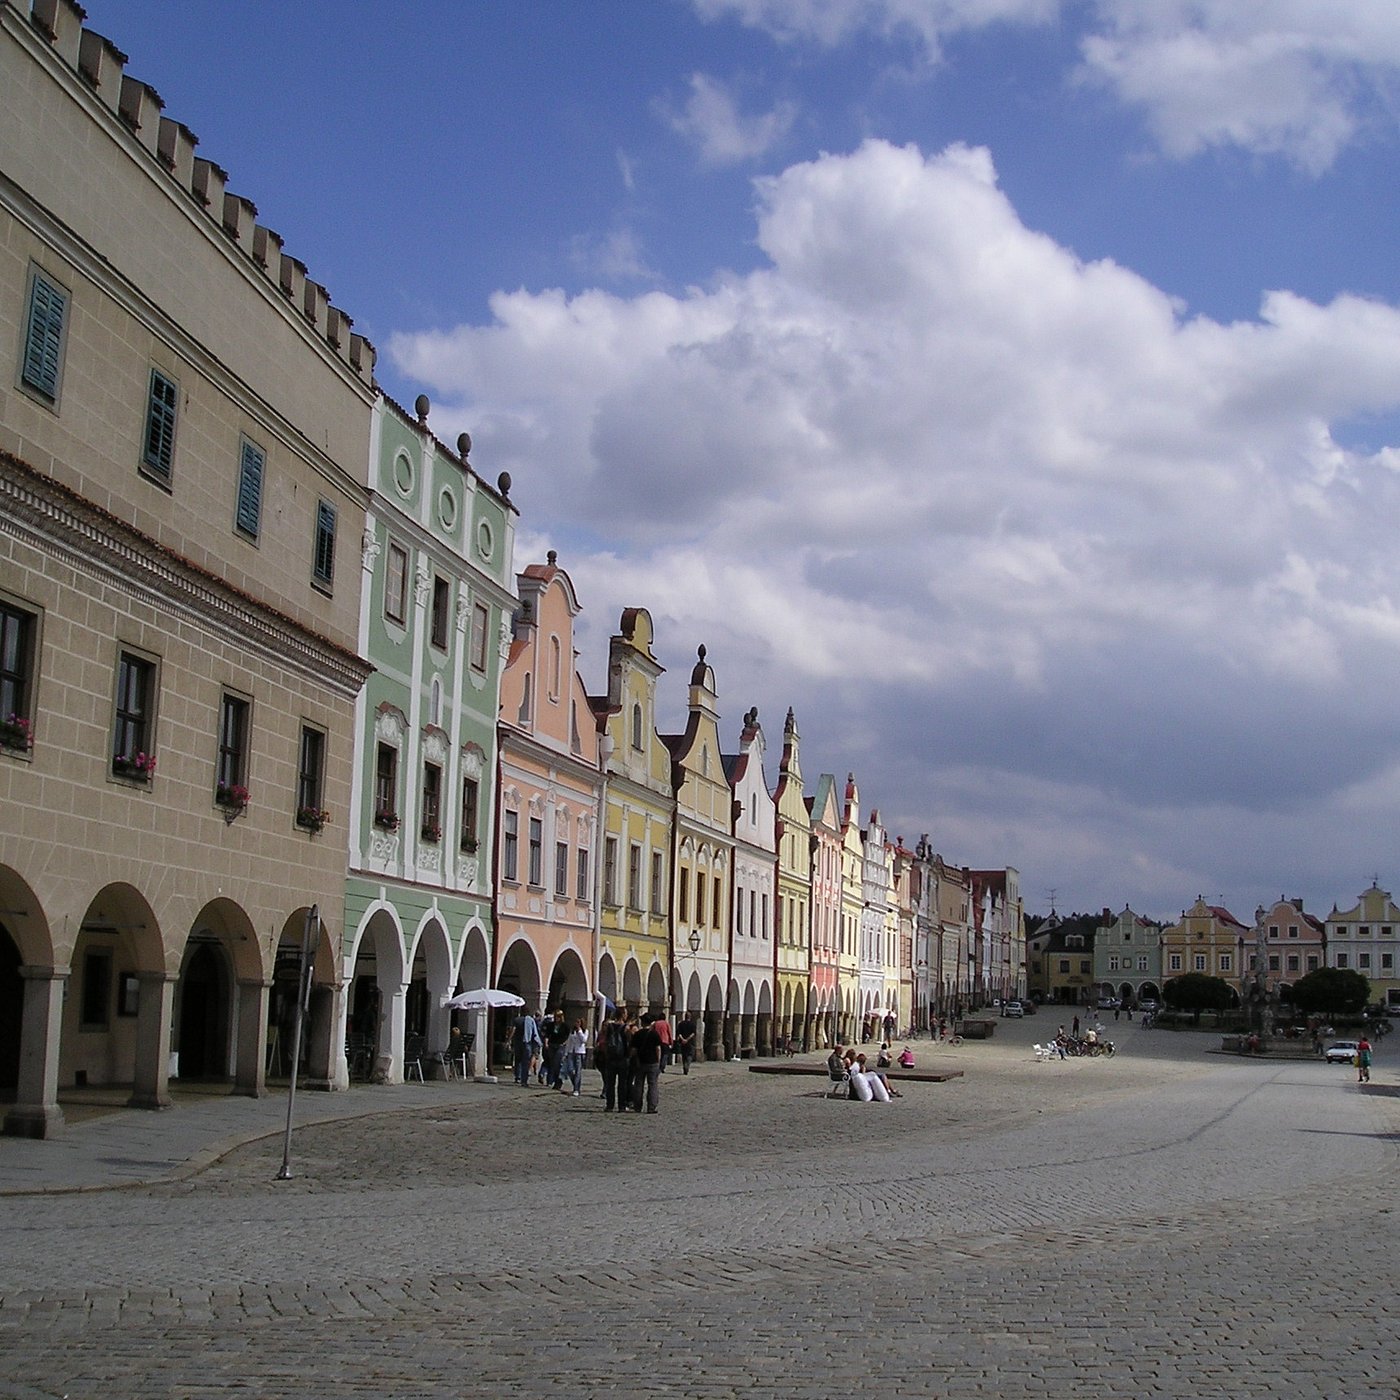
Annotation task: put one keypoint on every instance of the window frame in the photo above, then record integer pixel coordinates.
(440, 612)
(43, 384)
(561, 869)
(634, 877)
(232, 742)
(658, 882)
(510, 845)
(582, 871)
(21, 629)
(396, 583)
(323, 546)
(138, 726)
(162, 419)
(386, 786)
(248, 497)
(481, 629)
(430, 802)
(534, 832)
(311, 774)
(610, 871)
(471, 814)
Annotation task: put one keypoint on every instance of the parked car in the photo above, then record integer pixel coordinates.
(1013, 1009)
(1108, 1003)
(1148, 1005)
(1341, 1052)
(1028, 1007)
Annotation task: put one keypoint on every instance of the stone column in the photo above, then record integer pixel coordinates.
(250, 1062)
(35, 1113)
(153, 1023)
(324, 1034)
(714, 1035)
(388, 1057)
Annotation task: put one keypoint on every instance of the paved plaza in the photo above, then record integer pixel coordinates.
(1167, 1223)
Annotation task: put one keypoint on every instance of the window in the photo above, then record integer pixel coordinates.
(1273, 963)
(386, 787)
(248, 512)
(97, 989)
(1225, 962)
(1084, 965)
(481, 620)
(561, 869)
(311, 777)
(1363, 960)
(634, 877)
(1341, 959)
(636, 726)
(763, 927)
(430, 814)
(610, 870)
(1064, 964)
(1200, 962)
(510, 846)
(396, 584)
(536, 852)
(1112, 963)
(683, 897)
(1364, 931)
(1293, 962)
(715, 910)
(18, 628)
(1293, 930)
(658, 882)
(1175, 962)
(1312, 962)
(158, 452)
(699, 897)
(471, 806)
(41, 368)
(231, 770)
(1273, 930)
(1387, 961)
(583, 890)
(323, 559)
(555, 667)
(133, 734)
(441, 596)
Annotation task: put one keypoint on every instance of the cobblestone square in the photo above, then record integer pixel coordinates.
(1167, 1223)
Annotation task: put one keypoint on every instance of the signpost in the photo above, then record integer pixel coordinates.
(313, 923)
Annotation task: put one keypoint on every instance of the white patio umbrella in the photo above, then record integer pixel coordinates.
(478, 1001)
(483, 997)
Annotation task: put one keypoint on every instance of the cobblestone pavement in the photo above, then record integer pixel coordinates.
(1164, 1223)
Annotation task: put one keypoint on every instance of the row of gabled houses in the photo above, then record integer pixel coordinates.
(270, 677)
(1128, 958)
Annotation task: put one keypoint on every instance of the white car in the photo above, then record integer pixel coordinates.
(1012, 1008)
(1108, 1003)
(1341, 1052)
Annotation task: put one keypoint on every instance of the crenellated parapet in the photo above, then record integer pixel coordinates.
(170, 146)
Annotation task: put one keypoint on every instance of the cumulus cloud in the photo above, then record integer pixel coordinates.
(973, 504)
(710, 118)
(1297, 80)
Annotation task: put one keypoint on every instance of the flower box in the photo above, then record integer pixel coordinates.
(430, 831)
(312, 818)
(16, 732)
(139, 767)
(386, 821)
(234, 796)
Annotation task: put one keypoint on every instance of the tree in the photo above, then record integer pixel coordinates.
(1331, 991)
(1195, 992)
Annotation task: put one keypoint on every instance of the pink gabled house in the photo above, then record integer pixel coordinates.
(548, 793)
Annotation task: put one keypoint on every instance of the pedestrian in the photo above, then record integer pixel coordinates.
(555, 1032)
(1076, 1025)
(611, 1052)
(524, 1045)
(1116, 1011)
(663, 1028)
(1363, 1060)
(646, 1049)
(575, 1051)
(685, 1041)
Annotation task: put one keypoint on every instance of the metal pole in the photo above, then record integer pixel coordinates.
(313, 922)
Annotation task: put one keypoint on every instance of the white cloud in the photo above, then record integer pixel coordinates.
(1297, 79)
(712, 121)
(832, 22)
(964, 498)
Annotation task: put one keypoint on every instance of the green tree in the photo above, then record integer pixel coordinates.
(1195, 992)
(1331, 991)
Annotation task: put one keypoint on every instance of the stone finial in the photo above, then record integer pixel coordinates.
(464, 446)
(421, 406)
(503, 485)
(552, 558)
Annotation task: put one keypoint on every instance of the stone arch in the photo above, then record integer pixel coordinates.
(607, 977)
(520, 973)
(31, 1001)
(474, 961)
(656, 989)
(632, 985)
(568, 986)
(117, 1020)
(375, 997)
(323, 1031)
(714, 1020)
(429, 982)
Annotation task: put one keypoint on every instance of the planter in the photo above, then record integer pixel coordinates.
(386, 821)
(138, 768)
(232, 797)
(16, 733)
(312, 818)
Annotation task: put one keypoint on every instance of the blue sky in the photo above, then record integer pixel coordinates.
(1012, 386)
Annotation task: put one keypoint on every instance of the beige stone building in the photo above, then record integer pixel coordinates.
(184, 430)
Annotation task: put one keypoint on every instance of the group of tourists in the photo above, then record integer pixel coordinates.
(629, 1052)
(866, 1083)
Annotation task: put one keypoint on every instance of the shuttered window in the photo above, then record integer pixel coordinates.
(159, 454)
(43, 342)
(323, 565)
(251, 460)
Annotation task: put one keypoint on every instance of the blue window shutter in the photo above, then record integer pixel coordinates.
(48, 305)
(250, 475)
(160, 425)
(324, 565)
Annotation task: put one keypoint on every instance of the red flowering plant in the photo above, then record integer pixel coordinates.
(312, 818)
(16, 732)
(231, 795)
(139, 766)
